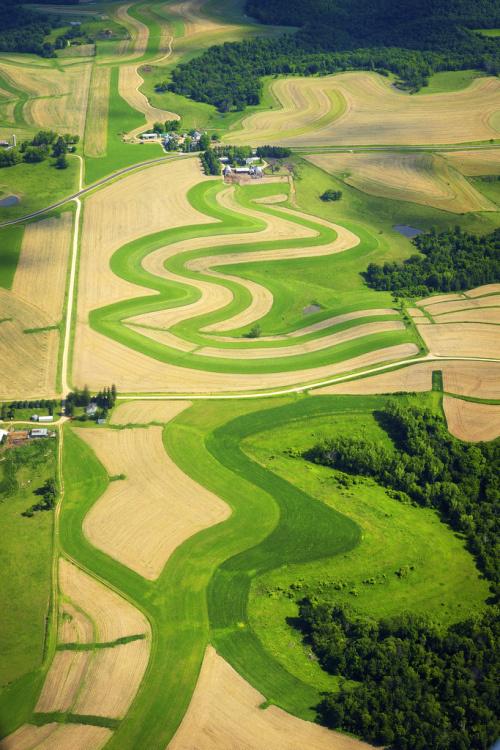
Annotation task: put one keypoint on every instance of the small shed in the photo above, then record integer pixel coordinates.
(39, 432)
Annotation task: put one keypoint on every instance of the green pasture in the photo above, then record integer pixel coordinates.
(437, 577)
(37, 185)
(449, 80)
(26, 558)
(488, 187)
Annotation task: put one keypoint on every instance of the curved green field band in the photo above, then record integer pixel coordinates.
(272, 523)
(126, 263)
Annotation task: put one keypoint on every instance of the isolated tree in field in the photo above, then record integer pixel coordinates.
(331, 195)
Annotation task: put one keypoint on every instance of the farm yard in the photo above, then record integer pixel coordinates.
(275, 462)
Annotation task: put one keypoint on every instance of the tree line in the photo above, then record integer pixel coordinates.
(419, 686)
(412, 40)
(45, 144)
(448, 262)
(433, 469)
(24, 30)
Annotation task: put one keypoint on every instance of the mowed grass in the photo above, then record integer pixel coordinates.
(37, 186)
(25, 559)
(10, 246)
(449, 80)
(437, 576)
(127, 263)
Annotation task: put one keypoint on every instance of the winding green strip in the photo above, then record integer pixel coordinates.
(127, 264)
(272, 523)
(97, 646)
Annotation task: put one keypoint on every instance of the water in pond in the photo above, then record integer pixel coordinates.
(407, 231)
(10, 200)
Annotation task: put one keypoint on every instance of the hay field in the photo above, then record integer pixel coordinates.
(112, 679)
(129, 82)
(139, 204)
(472, 421)
(413, 379)
(374, 112)
(225, 712)
(102, 360)
(479, 379)
(475, 163)
(74, 625)
(111, 615)
(96, 129)
(427, 179)
(57, 99)
(57, 737)
(461, 339)
(63, 681)
(29, 360)
(324, 342)
(138, 31)
(437, 309)
(142, 412)
(40, 277)
(480, 291)
(143, 518)
(483, 315)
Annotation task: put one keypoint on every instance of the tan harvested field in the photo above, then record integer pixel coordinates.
(112, 616)
(74, 625)
(374, 112)
(96, 129)
(482, 290)
(138, 31)
(129, 82)
(475, 163)
(414, 312)
(57, 98)
(142, 519)
(439, 308)
(29, 360)
(438, 298)
(472, 421)
(64, 111)
(482, 315)
(423, 178)
(141, 203)
(57, 737)
(136, 373)
(225, 714)
(413, 379)
(479, 379)
(63, 681)
(318, 344)
(142, 412)
(461, 339)
(40, 277)
(112, 679)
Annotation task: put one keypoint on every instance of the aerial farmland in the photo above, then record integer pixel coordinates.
(250, 375)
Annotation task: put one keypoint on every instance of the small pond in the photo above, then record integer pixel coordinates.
(407, 231)
(9, 200)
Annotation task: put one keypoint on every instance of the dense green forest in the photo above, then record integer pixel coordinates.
(24, 30)
(448, 262)
(432, 468)
(421, 687)
(412, 40)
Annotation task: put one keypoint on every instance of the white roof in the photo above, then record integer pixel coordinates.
(3, 433)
